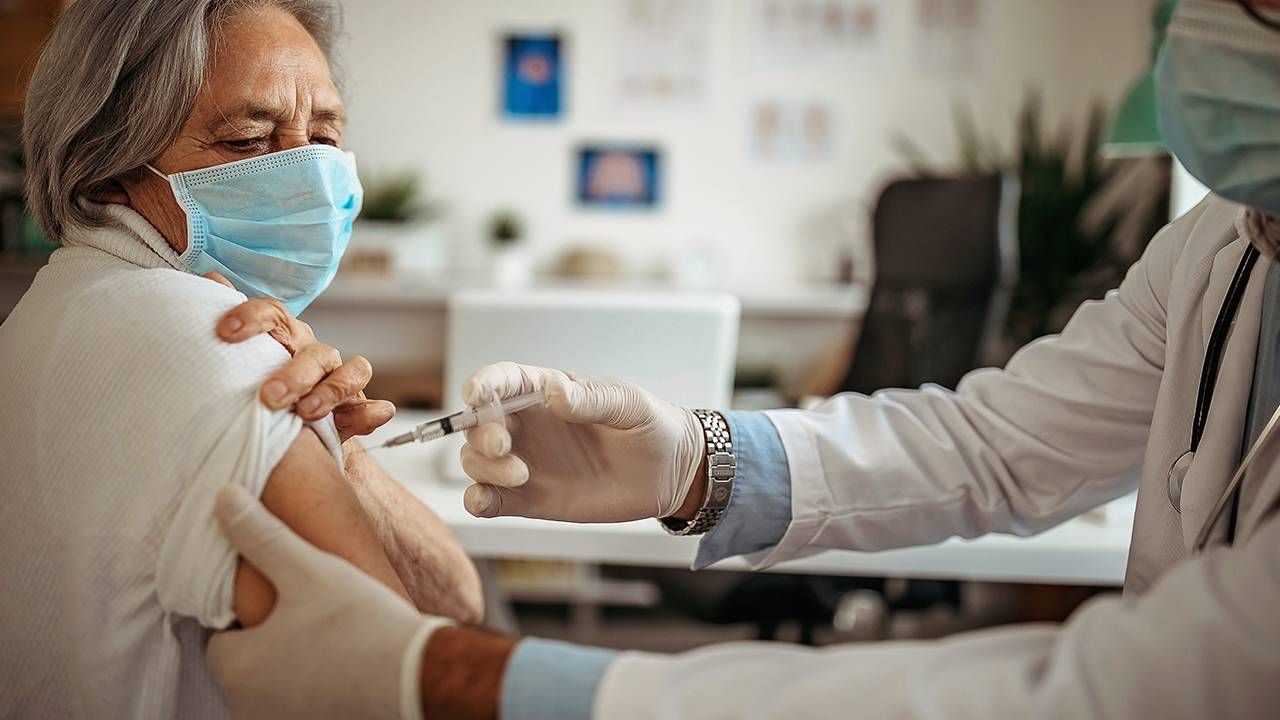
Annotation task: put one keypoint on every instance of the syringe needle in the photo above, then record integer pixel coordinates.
(404, 439)
(465, 419)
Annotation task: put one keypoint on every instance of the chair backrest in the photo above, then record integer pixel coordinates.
(680, 346)
(946, 262)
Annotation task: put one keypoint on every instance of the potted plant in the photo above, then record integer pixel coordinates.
(511, 264)
(1074, 210)
(398, 230)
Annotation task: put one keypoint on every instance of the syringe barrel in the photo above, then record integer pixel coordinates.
(428, 431)
(489, 412)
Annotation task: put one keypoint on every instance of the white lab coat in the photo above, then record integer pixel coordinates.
(1063, 428)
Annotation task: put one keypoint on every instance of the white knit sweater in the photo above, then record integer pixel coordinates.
(123, 415)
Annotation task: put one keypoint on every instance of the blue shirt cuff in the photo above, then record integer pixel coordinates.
(759, 510)
(552, 680)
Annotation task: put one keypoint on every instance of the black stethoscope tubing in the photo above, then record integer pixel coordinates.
(1218, 341)
(1204, 399)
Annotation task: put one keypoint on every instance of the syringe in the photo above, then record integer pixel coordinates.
(469, 418)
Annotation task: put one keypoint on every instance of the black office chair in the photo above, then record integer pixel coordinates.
(946, 264)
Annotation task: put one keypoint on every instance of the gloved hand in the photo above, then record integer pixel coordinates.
(599, 451)
(337, 644)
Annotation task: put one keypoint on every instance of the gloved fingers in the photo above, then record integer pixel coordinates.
(266, 542)
(606, 402)
(486, 501)
(344, 382)
(223, 651)
(492, 440)
(504, 380)
(505, 471)
(362, 416)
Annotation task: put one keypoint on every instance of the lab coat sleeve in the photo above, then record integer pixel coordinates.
(1059, 430)
(1203, 642)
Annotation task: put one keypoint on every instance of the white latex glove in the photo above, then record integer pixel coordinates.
(337, 644)
(599, 451)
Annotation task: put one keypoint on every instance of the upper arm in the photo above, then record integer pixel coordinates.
(204, 427)
(309, 493)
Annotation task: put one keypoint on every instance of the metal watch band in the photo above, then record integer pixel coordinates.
(722, 466)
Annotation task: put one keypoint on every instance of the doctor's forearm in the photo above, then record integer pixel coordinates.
(438, 575)
(462, 672)
(470, 673)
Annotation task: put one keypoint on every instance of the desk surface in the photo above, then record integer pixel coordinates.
(1089, 550)
(351, 289)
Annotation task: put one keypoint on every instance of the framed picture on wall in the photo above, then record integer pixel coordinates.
(532, 76)
(618, 176)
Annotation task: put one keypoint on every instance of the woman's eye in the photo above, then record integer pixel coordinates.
(246, 145)
(324, 141)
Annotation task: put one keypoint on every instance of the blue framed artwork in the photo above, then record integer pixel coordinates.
(618, 176)
(532, 76)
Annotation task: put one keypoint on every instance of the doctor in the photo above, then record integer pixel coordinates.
(1175, 373)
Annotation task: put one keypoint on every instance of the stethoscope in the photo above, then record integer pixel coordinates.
(1204, 398)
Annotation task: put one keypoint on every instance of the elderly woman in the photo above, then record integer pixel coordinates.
(167, 139)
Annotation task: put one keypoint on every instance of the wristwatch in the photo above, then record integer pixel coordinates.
(722, 466)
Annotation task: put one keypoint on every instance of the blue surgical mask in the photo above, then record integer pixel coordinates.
(1218, 90)
(274, 225)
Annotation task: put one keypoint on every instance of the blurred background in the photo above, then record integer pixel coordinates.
(887, 192)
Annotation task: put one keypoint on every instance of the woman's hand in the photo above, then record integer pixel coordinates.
(316, 381)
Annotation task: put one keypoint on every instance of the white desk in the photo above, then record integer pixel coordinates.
(398, 321)
(1086, 551)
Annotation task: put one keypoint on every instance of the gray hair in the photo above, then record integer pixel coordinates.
(113, 87)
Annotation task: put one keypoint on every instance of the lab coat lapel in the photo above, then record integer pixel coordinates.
(1220, 447)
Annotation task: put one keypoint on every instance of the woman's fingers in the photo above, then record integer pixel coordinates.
(218, 278)
(308, 367)
(259, 316)
(316, 378)
(362, 417)
(505, 471)
(343, 383)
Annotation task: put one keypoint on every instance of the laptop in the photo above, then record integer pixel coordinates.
(681, 346)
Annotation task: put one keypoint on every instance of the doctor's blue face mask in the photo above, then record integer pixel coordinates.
(274, 225)
(1218, 91)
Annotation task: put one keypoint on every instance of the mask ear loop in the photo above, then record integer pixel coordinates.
(1253, 12)
(157, 172)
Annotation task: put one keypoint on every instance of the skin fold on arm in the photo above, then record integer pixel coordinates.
(437, 574)
(307, 491)
(371, 521)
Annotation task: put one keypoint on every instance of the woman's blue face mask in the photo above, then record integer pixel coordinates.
(274, 225)
(1218, 89)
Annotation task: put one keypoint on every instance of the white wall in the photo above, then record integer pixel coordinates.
(422, 92)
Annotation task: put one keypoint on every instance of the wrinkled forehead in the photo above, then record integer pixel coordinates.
(264, 65)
